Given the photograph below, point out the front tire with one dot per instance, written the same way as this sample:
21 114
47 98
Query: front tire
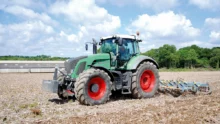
145 81
93 87
61 91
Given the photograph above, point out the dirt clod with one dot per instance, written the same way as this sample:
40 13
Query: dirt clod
36 111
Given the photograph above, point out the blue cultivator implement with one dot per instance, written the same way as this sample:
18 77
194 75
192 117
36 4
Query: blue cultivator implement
177 88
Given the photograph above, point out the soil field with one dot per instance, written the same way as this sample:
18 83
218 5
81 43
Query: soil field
23 101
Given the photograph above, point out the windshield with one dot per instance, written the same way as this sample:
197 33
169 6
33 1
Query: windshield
126 50
136 48
108 45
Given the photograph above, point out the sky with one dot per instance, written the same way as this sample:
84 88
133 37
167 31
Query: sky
61 27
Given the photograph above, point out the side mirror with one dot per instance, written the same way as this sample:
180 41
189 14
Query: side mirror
86 47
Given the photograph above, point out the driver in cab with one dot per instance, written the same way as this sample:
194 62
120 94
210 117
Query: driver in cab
123 50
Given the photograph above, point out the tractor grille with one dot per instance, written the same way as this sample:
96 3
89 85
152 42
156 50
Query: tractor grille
81 68
71 63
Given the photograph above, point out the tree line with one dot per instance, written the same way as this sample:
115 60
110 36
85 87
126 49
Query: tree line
33 58
167 56
193 56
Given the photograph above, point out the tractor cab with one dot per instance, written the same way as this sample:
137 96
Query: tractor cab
121 48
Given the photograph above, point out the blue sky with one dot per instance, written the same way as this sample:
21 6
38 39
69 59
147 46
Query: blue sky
61 28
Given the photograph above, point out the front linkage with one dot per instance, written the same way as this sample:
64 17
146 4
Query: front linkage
62 84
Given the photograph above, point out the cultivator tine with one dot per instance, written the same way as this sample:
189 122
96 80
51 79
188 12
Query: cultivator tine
179 87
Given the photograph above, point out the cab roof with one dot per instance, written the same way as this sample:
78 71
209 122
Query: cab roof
119 35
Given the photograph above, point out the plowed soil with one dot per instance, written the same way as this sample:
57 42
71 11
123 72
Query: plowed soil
23 101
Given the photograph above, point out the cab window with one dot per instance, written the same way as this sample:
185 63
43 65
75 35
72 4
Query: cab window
126 50
108 45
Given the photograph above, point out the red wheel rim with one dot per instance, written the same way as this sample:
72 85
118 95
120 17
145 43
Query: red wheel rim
100 83
147 81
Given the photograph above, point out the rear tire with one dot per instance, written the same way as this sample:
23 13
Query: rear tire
145 81
93 87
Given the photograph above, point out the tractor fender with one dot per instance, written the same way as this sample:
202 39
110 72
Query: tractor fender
135 62
105 70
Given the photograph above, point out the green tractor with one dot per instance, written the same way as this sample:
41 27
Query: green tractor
118 66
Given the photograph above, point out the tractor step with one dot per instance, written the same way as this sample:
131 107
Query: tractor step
126 90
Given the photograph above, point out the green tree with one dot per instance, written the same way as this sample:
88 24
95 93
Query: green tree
153 53
174 57
165 58
215 59
192 56
206 53
183 57
197 49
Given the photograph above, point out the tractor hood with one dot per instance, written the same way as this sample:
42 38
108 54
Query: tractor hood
100 60
70 64
99 56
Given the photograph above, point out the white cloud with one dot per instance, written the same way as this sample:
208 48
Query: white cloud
212 23
165 25
215 37
64 26
26 31
105 27
90 20
151 44
33 4
101 1
36 26
36 38
189 43
145 46
26 13
157 5
69 37
206 4
204 44
17 39
37 33
163 28
84 12
16 2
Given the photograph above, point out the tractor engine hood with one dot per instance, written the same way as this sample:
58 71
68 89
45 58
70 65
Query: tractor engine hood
99 56
71 63
101 60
